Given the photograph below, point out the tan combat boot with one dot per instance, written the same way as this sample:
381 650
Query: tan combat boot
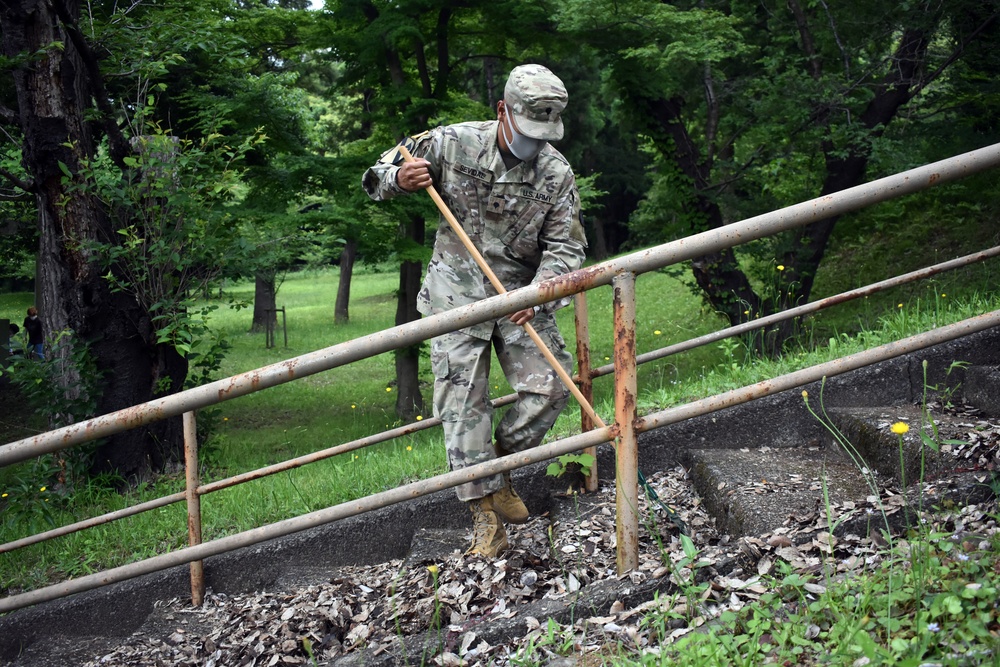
488 536
508 504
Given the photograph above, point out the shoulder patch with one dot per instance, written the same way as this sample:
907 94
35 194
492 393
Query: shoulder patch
394 156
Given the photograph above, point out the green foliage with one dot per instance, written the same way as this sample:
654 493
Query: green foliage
37 489
570 463
174 238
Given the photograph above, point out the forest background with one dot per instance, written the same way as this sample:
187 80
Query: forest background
154 153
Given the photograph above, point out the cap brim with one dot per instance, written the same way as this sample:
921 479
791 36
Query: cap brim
539 130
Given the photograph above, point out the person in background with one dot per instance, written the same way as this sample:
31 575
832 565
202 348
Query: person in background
516 197
36 338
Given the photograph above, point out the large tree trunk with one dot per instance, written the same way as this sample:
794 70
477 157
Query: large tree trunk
264 302
347 257
54 96
409 401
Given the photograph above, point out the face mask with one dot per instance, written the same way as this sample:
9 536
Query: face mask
523 148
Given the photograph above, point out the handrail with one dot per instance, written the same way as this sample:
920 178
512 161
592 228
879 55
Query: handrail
502 464
412 333
431 422
805 309
602 274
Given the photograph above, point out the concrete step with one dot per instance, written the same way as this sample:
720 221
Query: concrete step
982 389
754 491
910 459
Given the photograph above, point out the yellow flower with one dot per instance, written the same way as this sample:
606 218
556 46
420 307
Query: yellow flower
43 488
943 295
607 358
3 495
899 306
420 417
899 428
433 569
780 267
656 333
353 406
746 312
388 389
355 457
409 448
225 419
805 394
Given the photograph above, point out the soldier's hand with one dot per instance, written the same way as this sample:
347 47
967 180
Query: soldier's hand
413 176
522 317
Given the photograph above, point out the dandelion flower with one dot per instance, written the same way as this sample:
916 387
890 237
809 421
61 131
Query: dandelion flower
656 332
420 417
805 394
353 406
943 295
780 267
4 495
388 389
43 488
899 305
225 419
433 569
409 448
899 428
606 358
746 312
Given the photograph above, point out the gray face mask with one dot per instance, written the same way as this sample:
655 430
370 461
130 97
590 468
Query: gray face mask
523 148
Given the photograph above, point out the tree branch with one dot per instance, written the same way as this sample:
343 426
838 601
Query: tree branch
955 55
27 186
815 66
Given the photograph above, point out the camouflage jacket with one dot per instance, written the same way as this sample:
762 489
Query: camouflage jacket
525 221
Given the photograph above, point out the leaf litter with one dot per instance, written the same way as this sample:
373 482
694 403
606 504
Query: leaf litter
372 608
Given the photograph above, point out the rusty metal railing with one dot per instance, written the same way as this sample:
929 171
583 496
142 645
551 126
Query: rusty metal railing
628 424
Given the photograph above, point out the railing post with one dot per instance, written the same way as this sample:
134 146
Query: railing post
627 450
582 319
193 506
284 325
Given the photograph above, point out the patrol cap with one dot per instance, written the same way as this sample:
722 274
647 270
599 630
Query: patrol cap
536 97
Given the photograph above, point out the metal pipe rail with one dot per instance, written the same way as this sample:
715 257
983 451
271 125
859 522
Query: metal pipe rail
567 285
621 271
583 357
805 309
306 521
503 464
235 480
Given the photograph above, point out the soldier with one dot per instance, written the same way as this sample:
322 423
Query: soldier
516 198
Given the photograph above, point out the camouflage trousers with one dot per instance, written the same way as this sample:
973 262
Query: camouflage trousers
461 365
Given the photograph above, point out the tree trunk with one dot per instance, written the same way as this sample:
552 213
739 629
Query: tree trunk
347 257
264 302
409 401
54 95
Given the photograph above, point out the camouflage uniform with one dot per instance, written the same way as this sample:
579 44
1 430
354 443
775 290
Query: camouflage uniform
526 223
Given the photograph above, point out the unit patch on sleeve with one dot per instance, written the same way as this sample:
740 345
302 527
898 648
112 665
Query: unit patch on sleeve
394 155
